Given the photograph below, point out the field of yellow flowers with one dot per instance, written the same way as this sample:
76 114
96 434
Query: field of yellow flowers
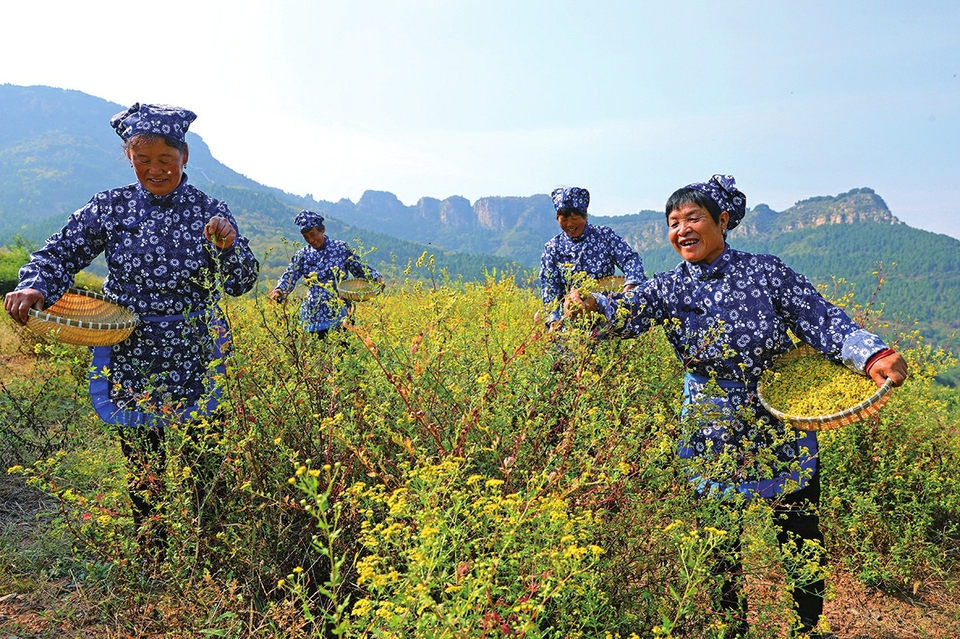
444 467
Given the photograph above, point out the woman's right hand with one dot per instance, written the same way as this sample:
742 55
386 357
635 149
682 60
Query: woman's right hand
277 295
18 303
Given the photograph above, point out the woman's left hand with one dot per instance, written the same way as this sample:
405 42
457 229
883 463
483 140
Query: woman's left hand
219 231
575 305
892 367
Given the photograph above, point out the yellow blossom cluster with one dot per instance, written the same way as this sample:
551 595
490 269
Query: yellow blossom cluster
810 385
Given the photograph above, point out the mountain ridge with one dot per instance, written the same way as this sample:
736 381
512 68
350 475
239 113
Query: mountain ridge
57 149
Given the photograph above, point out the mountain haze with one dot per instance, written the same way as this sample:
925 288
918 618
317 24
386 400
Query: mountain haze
57 149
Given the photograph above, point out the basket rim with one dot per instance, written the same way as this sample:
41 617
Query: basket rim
373 283
612 280
364 287
876 400
44 316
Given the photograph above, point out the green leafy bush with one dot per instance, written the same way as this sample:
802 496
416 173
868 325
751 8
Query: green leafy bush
471 473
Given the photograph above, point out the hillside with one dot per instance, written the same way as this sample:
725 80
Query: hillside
56 150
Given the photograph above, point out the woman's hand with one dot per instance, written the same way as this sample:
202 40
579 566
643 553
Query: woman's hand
220 232
18 304
574 305
277 295
892 367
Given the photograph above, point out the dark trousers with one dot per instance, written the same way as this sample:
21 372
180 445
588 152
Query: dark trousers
145 452
146 462
798 520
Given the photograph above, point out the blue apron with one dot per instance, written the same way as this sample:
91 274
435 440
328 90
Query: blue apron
110 413
806 445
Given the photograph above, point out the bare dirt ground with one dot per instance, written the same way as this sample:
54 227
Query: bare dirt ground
62 609
859 612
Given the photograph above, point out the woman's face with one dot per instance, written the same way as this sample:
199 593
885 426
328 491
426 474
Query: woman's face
314 237
572 223
159 167
694 234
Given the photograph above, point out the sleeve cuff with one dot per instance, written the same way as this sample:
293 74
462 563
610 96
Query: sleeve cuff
859 347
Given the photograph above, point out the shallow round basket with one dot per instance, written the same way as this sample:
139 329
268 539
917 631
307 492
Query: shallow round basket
358 290
868 407
84 318
611 284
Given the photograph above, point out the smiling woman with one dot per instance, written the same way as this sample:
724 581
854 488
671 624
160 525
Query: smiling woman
728 315
693 233
171 250
158 162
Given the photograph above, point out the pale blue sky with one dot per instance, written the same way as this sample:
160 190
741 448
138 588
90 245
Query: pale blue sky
629 99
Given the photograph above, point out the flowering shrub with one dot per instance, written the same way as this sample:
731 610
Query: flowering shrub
892 494
448 552
474 474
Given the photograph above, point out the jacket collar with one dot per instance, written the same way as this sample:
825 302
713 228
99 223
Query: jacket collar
703 271
164 200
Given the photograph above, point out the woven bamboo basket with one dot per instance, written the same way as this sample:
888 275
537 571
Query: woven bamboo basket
358 290
859 412
611 284
84 318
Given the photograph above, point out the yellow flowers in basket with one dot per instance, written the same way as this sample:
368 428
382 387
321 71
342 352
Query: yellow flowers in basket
805 389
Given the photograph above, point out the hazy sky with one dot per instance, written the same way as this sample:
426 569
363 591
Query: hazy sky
630 99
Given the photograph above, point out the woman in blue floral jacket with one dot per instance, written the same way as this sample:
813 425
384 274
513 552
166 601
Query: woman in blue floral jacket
324 262
727 315
582 249
170 251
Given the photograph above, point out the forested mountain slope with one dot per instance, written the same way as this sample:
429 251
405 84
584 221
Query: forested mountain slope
57 150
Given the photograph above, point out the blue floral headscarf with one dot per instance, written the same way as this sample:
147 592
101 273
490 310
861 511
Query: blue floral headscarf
160 119
722 189
572 198
308 220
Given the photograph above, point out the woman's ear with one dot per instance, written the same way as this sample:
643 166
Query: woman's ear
724 220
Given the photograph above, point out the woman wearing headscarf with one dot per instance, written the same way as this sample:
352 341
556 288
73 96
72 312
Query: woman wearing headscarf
325 262
170 251
582 249
727 314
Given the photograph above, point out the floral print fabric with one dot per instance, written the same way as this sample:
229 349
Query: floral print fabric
156 119
162 267
727 322
572 198
323 268
722 189
307 220
595 253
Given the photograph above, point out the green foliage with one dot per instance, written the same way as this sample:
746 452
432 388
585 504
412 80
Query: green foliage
11 259
892 497
40 396
445 466
446 553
